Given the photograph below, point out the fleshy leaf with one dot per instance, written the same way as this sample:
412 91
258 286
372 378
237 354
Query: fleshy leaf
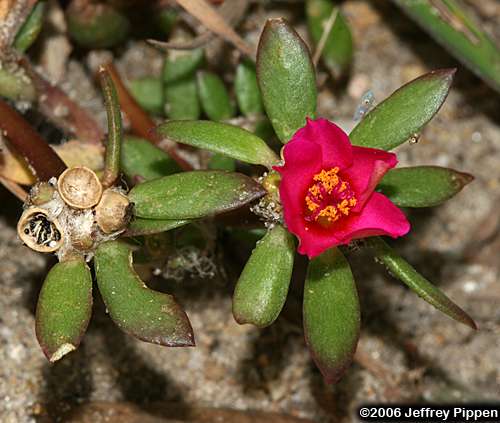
146 314
448 24
181 99
331 314
148 92
28 33
181 64
140 226
214 97
402 270
262 288
222 162
337 51
191 195
221 138
141 159
405 112
286 78
247 89
422 186
64 308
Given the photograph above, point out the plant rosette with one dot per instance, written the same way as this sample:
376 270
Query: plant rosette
328 190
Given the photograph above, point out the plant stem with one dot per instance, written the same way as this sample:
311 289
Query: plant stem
142 125
115 131
14 188
43 161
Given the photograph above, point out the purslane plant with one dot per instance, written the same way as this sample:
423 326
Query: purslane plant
80 217
328 190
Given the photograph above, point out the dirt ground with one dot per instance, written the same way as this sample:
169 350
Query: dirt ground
408 351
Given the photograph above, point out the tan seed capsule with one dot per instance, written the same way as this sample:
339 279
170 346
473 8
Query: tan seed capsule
39 232
113 211
79 187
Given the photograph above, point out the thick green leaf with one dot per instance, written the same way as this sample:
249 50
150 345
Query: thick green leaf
64 308
214 97
96 25
422 186
146 314
179 65
247 89
221 138
148 92
16 85
448 23
331 314
262 288
286 78
191 195
141 159
402 270
405 112
338 49
28 33
181 99
140 226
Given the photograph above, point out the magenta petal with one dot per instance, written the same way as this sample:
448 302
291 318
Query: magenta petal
336 149
302 161
368 168
378 217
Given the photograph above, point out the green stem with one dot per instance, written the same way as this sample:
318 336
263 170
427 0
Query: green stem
115 132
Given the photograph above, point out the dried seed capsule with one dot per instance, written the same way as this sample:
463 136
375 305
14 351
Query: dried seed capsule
39 232
113 211
79 187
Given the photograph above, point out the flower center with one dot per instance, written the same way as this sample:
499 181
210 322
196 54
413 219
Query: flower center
328 198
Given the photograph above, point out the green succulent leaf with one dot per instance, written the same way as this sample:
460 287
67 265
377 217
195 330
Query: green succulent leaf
405 112
148 92
262 288
96 25
402 270
331 314
140 226
422 186
286 78
221 138
448 24
141 159
146 314
28 33
16 86
338 49
181 99
180 65
214 97
191 195
247 89
64 308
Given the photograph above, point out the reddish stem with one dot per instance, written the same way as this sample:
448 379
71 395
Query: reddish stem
141 123
43 161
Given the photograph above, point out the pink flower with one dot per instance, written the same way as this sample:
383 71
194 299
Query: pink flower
327 189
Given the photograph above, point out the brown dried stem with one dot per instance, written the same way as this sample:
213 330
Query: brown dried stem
43 161
13 16
140 121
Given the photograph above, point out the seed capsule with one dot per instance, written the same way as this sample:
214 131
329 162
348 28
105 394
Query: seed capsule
113 211
38 232
79 187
